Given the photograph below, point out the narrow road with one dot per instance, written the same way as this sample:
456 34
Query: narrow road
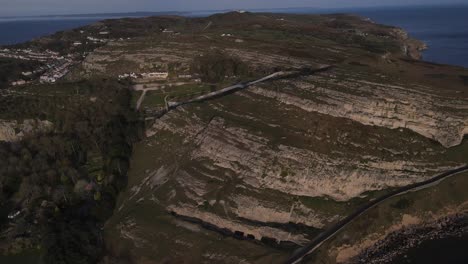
327 234
226 90
156 87
240 86
140 100
231 89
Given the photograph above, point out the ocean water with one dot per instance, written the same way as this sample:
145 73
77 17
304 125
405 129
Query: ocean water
449 250
17 31
443 28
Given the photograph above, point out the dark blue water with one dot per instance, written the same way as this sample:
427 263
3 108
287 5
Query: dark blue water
12 32
449 250
443 28
15 30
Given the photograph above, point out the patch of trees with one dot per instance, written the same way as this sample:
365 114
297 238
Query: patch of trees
215 66
21 107
47 176
11 69
464 79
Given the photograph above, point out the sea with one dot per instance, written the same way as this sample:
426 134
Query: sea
441 251
443 28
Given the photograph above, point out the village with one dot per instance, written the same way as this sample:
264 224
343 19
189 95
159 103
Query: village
52 67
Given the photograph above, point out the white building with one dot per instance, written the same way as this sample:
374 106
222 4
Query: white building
19 82
156 75
47 79
14 215
185 76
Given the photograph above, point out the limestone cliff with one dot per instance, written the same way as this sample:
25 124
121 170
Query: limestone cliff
280 161
14 130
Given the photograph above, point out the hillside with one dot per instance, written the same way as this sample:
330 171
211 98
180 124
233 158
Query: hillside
254 173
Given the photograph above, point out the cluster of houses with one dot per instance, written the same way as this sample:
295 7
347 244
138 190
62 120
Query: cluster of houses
56 72
228 35
148 75
128 75
30 55
157 76
97 40
92 40
54 65
170 31
19 82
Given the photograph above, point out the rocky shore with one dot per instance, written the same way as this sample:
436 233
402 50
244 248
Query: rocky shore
399 242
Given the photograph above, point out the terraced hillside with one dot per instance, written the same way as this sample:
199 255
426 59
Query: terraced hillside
255 173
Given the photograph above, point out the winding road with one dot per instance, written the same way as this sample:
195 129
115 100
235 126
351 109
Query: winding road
327 234
153 87
231 89
240 86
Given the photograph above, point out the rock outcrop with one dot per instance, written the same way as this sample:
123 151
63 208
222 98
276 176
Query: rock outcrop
281 161
444 119
14 130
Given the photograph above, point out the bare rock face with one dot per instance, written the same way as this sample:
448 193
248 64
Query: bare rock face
441 118
410 47
7 131
298 171
283 160
264 162
14 130
263 159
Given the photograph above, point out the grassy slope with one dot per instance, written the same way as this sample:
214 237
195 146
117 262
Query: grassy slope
449 196
268 35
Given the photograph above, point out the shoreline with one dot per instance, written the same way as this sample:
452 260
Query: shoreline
398 243
415 47
332 232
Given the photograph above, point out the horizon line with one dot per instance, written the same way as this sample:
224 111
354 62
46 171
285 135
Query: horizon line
214 11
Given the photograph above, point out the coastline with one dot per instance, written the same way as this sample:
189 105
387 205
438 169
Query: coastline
397 244
425 45
410 47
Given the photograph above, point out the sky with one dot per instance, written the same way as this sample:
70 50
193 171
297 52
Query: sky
54 7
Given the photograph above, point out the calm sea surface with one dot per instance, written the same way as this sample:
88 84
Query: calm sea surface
444 29
17 31
442 251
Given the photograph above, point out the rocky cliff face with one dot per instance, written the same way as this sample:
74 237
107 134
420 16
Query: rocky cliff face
410 47
280 161
442 118
300 153
14 130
